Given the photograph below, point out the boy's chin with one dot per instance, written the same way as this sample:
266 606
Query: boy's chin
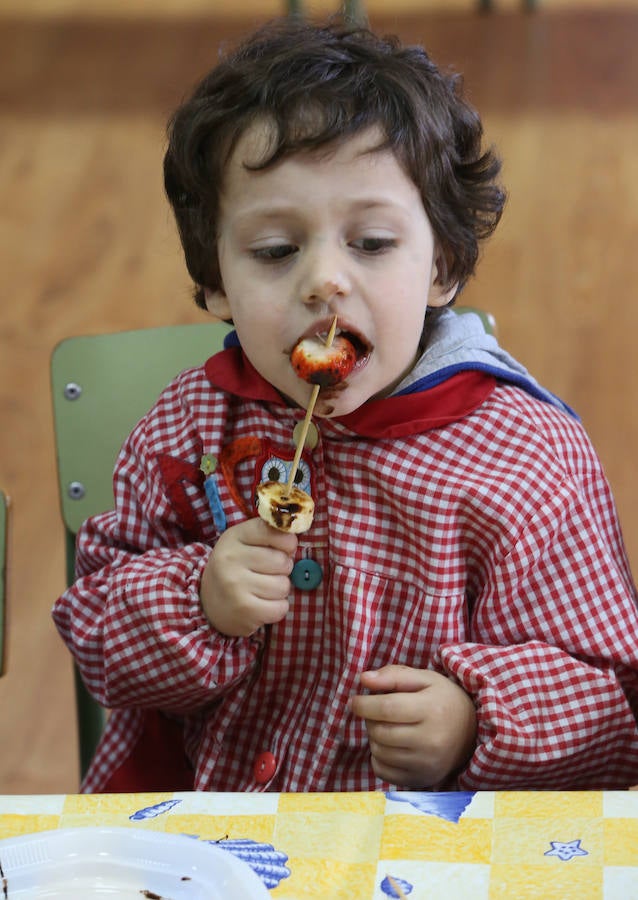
340 400
337 405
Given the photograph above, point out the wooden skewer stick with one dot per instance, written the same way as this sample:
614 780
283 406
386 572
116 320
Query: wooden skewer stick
306 421
396 887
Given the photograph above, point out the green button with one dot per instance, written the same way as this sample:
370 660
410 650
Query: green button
306 574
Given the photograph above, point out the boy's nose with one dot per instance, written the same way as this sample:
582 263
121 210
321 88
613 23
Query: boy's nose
326 291
325 281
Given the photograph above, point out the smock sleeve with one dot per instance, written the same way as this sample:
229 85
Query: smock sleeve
553 666
133 619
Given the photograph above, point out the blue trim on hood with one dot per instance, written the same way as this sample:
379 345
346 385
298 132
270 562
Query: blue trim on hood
231 340
503 375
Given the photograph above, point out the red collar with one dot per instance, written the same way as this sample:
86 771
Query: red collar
390 417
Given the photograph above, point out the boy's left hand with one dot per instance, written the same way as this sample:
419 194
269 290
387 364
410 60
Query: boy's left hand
421 725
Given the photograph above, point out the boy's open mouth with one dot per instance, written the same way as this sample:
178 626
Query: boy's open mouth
362 348
326 359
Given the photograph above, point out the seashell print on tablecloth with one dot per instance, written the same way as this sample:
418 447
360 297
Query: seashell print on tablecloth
391 891
449 806
263 859
151 812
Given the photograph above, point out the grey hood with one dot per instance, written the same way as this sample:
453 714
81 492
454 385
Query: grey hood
459 343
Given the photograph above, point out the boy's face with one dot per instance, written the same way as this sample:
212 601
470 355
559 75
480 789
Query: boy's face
341 232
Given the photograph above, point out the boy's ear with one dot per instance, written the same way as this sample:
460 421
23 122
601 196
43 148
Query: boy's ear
442 294
217 303
441 290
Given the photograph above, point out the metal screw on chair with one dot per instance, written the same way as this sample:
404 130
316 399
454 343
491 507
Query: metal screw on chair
72 390
76 490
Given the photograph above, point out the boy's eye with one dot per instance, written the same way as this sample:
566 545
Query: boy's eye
373 244
274 253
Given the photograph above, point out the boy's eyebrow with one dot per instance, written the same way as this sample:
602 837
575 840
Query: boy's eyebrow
275 210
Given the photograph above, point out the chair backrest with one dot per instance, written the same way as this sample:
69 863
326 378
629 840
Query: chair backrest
352 10
101 386
4 515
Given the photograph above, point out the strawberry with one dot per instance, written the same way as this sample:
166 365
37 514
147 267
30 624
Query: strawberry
324 365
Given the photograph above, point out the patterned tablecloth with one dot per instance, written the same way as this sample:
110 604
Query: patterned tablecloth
480 846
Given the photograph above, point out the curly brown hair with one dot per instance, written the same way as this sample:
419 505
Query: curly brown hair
317 85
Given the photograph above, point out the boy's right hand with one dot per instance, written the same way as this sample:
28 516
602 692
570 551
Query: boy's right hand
246 583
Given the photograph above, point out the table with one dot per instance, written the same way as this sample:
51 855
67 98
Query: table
481 846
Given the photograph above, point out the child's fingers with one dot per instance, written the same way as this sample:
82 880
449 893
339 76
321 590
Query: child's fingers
268 587
255 532
390 679
268 561
392 708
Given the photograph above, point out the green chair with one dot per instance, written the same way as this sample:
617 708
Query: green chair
101 386
4 515
352 10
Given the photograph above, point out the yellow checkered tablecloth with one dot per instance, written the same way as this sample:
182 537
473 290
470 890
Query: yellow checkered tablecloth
480 846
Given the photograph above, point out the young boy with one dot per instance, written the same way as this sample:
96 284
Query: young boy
461 613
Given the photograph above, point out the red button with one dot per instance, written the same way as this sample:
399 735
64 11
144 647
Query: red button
265 767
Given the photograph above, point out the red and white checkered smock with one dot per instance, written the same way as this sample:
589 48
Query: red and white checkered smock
478 538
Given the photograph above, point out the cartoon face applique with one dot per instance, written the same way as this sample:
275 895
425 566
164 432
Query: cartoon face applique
277 469
221 487
247 462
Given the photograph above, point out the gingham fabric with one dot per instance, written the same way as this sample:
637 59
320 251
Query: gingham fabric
488 549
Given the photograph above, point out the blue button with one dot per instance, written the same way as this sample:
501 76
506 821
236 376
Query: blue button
306 574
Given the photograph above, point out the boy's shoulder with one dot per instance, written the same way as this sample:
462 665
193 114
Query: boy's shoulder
527 410
183 409
192 407
188 393
519 423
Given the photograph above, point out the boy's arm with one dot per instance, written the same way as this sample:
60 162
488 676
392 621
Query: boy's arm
133 619
139 635
553 668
